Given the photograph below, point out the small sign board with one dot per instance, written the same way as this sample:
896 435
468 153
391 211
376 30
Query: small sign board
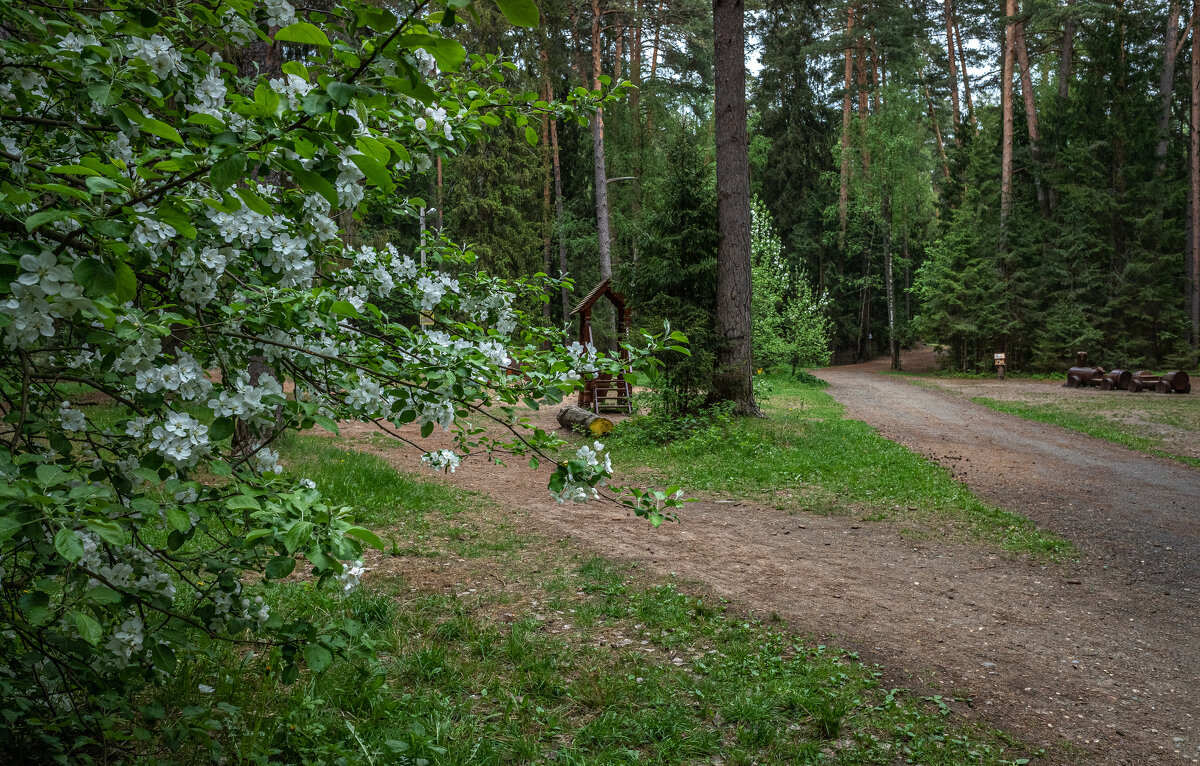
999 358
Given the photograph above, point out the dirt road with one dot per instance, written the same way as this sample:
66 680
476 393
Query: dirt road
1099 662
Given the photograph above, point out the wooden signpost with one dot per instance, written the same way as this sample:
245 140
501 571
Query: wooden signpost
999 366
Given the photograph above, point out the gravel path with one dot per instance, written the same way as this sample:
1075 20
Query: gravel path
1097 661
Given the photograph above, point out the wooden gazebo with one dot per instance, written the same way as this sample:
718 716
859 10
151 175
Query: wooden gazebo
602 392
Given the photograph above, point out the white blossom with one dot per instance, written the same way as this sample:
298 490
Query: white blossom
441 460
158 53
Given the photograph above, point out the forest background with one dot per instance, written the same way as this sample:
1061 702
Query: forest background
986 177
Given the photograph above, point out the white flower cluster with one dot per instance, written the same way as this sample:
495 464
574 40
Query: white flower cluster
181 439
317 209
127 640
439 411
581 489
368 398
71 419
248 610
266 460
441 460
151 234
186 377
351 576
139 354
350 192
292 87
76 43
433 289
42 292
288 255
496 303
437 116
158 53
198 275
495 352
246 226
280 13
584 357
246 401
211 92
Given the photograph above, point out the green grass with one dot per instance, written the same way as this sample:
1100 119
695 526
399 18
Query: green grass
1084 416
529 652
806 455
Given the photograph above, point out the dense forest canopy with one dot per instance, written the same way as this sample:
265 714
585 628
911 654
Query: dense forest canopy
1009 178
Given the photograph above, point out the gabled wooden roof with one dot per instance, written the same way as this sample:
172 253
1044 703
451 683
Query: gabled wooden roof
604 288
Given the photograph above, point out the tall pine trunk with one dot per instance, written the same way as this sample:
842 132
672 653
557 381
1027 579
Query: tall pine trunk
732 378
1068 51
601 171
1194 189
1166 86
949 10
1031 120
966 76
844 190
1006 109
547 222
893 338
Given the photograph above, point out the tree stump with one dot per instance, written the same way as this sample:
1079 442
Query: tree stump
571 416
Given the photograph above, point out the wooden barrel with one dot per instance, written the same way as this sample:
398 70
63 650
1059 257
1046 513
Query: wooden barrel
1143 380
1088 376
1122 379
1179 381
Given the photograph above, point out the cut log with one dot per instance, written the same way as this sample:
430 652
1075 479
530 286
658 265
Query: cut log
572 416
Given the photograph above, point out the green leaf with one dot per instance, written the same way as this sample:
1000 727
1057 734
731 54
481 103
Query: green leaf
95 277
110 531
328 423
374 149
228 171
254 202
178 518
221 429
304 33
531 136
45 216
521 13
426 430
340 92
8 527
280 567
68 545
317 657
160 129
243 503
102 594
126 288
376 174
88 628
367 536
344 309
297 535
314 182
164 657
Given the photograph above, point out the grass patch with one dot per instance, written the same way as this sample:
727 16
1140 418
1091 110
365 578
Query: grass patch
549 655
1177 412
806 455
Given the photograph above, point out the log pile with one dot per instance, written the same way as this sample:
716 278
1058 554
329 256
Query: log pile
572 417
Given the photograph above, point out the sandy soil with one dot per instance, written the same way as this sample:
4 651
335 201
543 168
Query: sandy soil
1097 661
